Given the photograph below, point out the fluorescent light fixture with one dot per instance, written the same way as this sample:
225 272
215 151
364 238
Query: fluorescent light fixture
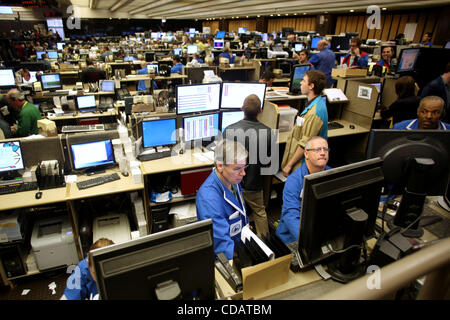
6 10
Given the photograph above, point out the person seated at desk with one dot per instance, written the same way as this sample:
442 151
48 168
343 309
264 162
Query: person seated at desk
46 61
356 58
302 58
106 53
220 197
23 74
405 107
426 39
268 77
428 115
324 60
440 87
387 58
226 53
91 73
313 121
316 159
82 283
28 116
142 71
197 58
177 65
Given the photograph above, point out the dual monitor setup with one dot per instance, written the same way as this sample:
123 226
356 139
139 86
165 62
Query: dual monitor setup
205 110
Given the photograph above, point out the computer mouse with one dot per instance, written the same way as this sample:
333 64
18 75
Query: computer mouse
181 151
352 126
38 195
125 174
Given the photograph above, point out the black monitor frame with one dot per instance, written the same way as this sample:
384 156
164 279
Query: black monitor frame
54 88
90 109
93 168
12 172
227 111
197 84
154 120
203 114
6 87
400 60
293 91
182 257
241 83
338 40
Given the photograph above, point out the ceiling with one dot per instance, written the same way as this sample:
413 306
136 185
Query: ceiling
217 9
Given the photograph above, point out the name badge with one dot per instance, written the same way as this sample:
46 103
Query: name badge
234 215
235 228
4 110
300 121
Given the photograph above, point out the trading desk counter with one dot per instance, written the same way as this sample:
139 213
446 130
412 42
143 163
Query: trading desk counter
27 198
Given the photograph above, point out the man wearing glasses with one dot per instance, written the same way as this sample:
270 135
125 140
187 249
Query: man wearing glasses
220 197
316 159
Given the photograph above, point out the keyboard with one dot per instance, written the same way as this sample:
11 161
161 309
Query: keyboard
98 181
154 155
334 125
56 93
18 187
83 128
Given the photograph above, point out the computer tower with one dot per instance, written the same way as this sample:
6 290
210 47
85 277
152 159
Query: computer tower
14 257
160 219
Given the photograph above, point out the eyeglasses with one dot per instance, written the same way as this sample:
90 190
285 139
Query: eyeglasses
325 149
239 169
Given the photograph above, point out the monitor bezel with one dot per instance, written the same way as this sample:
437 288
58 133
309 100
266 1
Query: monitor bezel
200 115
48 54
12 86
292 76
174 119
229 111
312 48
101 85
198 84
2 172
191 46
400 57
37 55
99 166
243 83
54 88
87 109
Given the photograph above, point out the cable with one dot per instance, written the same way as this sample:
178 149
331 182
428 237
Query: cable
344 250
410 225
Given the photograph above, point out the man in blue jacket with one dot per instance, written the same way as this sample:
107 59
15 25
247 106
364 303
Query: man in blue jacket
316 159
324 60
429 112
440 87
177 65
221 199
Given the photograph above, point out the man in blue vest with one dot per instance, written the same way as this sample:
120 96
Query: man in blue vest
356 58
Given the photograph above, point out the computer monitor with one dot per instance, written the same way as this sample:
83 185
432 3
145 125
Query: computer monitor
230 117
179 261
92 156
177 51
340 43
192 49
33 77
11 158
39 54
338 212
299 47
220 35
378 85
314 42
201 127
242 30
106 85
218 43
407 60
154 67
52 54
149 56
159 132
191 30
51 81
7 79
60 45
129 58
447 45
234 93
198 97
297 74
264 37
416 164
86 103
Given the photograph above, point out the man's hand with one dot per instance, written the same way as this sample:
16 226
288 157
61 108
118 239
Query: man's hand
13 129
357 52
287 171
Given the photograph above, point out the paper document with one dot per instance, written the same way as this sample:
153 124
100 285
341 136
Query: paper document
248 234
335 94
279 176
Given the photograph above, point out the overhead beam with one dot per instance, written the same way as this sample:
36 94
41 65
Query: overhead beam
118 4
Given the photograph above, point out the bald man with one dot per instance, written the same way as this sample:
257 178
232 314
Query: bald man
324 60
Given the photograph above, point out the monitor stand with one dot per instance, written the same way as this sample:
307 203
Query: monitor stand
92 171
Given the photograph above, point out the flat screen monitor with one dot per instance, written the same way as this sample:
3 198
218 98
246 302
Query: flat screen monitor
149 56
154 67
60 45
299 47
242 30
192 49
106 85
51 81
52 54
179 261
297 74
155 35
340 43
201 127
39 54
129 58
86 103
378 85
92 155
447 45
220 35
314 42
416 162
218 43
33 77
191 30
7 79
177 51
230 117
11 156
161 132
234 93
264 37
198 98
407 59
338 212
